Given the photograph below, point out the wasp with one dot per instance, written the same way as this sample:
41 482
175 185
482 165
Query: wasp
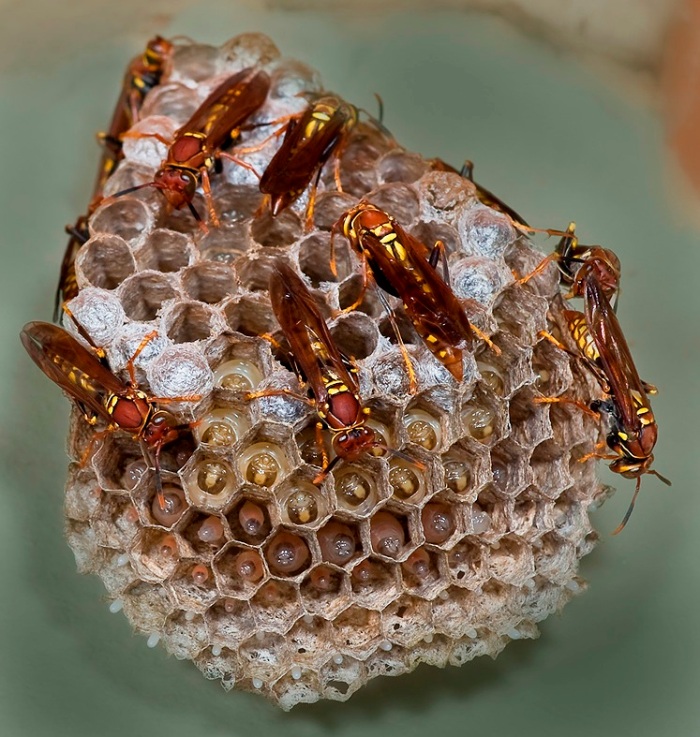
404 267
632 429
331 376
199 144
310 139
142 75
99 394
576 262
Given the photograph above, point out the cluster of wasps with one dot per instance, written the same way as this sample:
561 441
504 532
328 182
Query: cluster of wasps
393 262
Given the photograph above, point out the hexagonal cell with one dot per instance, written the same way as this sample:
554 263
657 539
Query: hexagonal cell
205 533
387 660
125 217
250 315
530 514
355 335
468 563
315 258
298 686
398 200
209 480
341 676
521 314
156 554
467 467
222 427
323 591
422 572
357 631
569 517
287 554
185 636
351 289
434 650
507 372
339 542
115 521
553 369
106 261
114 463
276 606
407 621
389 535
485 232
143 295
264 462
511 562
407 481
229 622
510 468
355 490
278 231
555 558
357 172
425 426
249 520
188 322
550 469
375 583
484 417
264 655
193 586
173 507
488 516
303 503
432 231
310 450
147 606
308 638
83 495
165 251
330 207
241 371
529 420
230 241
453 613
440 521
209 282
240 571
401 166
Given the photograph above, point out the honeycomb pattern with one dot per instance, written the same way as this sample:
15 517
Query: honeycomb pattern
267 581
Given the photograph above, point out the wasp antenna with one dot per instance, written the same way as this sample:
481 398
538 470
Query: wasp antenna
663 478
321 476
128 190
628 513
403 456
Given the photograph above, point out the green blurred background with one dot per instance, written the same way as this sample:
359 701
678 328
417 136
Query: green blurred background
556 141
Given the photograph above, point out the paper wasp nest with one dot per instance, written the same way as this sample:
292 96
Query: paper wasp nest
433 565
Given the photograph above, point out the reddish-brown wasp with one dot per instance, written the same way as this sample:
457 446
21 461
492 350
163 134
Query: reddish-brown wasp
596 260
405 268
319 364
200 143
99 394
309 141
142 75
632 429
